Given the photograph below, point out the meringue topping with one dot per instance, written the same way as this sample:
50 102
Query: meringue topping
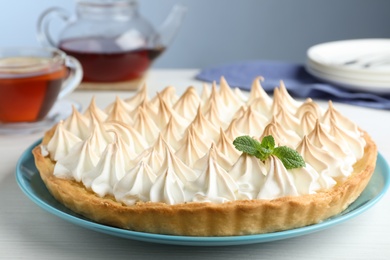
226 147
249 173
135 185
214 184
193 147
82 158
167 188
188 104
140 97
204 127
227 95
309 106
168 94
252 122
135 141
109 170
94 112
257 92
146 126
278 181
119 112
77 124
172 149
61 142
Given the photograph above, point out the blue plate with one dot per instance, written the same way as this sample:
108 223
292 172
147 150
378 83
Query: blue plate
31 184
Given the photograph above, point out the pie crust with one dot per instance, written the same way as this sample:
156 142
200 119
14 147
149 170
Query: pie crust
241 217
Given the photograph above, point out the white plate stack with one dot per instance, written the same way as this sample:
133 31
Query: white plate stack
362 64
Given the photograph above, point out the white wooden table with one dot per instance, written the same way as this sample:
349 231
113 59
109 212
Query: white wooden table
28 232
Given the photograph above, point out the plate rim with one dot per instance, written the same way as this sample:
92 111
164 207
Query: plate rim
346 84
195 240
383 79
310 50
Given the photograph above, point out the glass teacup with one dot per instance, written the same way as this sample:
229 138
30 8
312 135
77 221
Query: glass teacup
32 80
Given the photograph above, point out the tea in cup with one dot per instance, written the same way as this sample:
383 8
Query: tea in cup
31 81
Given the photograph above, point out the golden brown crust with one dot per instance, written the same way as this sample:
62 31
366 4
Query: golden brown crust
210 219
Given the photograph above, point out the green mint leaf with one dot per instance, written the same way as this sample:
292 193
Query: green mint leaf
290 158
267 145
248 145
268 142
253 147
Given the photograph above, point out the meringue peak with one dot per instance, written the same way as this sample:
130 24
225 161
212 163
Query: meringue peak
94 112
258 92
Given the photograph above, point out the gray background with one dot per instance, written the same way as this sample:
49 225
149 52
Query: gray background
222 31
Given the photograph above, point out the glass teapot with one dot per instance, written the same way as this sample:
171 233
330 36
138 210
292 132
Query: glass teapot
112 41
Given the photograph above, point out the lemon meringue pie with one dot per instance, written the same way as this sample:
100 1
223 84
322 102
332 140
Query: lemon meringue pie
168 165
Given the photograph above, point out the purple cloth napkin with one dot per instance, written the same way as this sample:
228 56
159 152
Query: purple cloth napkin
298 82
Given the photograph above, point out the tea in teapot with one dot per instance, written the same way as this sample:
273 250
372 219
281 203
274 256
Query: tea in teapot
114 63
112 41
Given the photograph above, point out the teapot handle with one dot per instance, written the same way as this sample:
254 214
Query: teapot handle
43 25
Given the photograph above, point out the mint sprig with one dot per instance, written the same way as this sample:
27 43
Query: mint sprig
290 158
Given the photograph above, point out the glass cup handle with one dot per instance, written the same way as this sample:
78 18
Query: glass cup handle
43 25
74 78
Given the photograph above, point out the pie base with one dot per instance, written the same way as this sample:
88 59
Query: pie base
241 217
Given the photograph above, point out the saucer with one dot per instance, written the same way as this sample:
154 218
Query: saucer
61 110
